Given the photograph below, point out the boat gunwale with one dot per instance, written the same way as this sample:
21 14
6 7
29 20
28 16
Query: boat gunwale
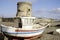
23 29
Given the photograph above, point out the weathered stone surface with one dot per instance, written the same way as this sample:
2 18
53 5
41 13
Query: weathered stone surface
24 9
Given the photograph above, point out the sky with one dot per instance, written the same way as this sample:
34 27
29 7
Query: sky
40 8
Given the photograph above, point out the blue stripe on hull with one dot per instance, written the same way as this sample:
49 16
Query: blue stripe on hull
24 32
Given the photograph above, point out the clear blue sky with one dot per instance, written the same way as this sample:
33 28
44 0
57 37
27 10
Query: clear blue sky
40 8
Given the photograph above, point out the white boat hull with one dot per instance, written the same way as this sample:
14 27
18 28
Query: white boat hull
58 30
22 33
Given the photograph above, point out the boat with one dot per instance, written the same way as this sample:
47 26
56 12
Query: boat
58 30
29 28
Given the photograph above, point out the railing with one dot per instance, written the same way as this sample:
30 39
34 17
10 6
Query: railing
27 21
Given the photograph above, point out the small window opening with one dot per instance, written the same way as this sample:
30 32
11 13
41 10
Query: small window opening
20 23
28 9
18 10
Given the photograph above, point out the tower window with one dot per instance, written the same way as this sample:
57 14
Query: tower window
18 4
28 9
18 10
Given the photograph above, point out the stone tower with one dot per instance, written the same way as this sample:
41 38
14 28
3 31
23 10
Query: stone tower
24 9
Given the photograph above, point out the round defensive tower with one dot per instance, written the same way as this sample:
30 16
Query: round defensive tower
24 9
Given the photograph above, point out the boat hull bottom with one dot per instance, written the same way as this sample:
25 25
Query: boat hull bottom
21 38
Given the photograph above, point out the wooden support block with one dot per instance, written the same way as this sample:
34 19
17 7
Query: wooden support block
5 38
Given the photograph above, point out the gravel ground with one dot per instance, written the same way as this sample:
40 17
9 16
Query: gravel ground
50 34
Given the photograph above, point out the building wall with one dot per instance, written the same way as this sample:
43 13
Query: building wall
0 19
10 22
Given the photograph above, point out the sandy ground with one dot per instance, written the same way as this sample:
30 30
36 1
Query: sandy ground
49 34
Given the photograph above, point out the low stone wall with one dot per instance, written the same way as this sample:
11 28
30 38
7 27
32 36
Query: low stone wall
14 24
